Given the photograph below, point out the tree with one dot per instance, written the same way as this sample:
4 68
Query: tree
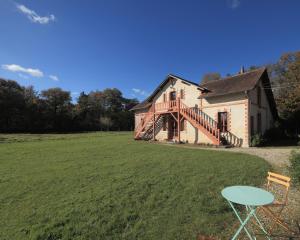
32 115
12 106
105 123
112 99
58 105
210 76
286 74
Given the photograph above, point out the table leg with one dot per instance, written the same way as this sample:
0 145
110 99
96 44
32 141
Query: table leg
259 223
243 223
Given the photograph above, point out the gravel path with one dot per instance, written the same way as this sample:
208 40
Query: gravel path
277 157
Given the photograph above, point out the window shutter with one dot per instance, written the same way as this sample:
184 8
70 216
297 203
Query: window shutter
182 93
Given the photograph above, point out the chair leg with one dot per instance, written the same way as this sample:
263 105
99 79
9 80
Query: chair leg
277 221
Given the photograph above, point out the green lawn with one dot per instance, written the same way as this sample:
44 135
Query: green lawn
107 186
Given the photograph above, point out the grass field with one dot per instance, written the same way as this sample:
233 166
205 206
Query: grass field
107 186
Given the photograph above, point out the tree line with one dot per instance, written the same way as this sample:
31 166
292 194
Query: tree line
285 80
22 109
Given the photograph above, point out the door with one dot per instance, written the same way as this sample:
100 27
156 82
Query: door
172 130
222 121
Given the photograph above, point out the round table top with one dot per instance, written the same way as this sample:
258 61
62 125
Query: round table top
247 195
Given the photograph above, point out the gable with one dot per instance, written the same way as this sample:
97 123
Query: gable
168 80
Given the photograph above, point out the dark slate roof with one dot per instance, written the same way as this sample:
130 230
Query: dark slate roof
238 83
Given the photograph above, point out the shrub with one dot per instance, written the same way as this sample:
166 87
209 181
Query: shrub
275 133
257 140
295 166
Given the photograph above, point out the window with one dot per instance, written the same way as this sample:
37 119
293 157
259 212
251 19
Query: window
182 94
259 96
259 123
183 125
252 125
164 124
222 121
165 97
172 96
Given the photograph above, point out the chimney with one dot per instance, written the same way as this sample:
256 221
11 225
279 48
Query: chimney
242 70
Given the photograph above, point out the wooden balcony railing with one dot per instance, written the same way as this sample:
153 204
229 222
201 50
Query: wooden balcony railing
166 106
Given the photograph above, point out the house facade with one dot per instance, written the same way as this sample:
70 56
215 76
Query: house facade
226 111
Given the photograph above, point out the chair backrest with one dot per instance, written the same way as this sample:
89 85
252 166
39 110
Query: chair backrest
284 181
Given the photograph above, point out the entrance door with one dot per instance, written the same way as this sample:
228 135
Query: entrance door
173 128
222 121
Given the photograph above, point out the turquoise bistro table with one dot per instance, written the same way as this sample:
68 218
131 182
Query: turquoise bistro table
251 198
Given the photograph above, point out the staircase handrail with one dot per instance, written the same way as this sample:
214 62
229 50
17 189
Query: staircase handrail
202 119
145 120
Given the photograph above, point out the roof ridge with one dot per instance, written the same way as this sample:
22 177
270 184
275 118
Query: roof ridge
183 79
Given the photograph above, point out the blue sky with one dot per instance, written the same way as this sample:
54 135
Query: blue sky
132 45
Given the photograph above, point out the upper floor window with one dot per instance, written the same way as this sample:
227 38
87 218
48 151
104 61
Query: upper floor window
172 95
164 97
258 96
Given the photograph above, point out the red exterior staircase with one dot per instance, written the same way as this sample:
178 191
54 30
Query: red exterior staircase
195 116
201 121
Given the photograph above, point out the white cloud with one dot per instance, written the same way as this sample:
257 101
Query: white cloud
20 69
234 4
54 78
34 17
140 92
74 93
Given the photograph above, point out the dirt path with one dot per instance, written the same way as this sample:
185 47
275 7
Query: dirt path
277 157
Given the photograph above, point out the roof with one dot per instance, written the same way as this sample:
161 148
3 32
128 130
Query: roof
147 102
233 84
238 83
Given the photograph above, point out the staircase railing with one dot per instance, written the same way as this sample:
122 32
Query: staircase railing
198 117
144 121
148 134
231 139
